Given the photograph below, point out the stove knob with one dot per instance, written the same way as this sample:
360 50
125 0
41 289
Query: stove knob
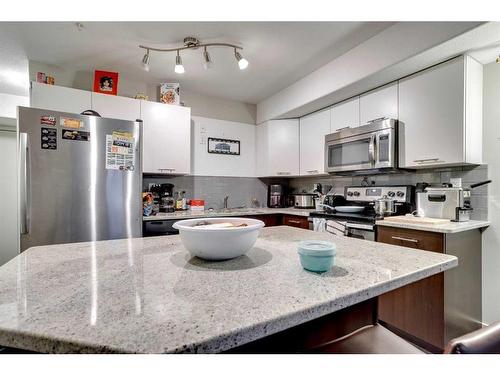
349 193
400 194
390 194
356 193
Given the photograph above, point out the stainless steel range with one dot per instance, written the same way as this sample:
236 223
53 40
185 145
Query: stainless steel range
354 214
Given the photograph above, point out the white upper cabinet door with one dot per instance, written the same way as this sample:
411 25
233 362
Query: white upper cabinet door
58 98
381 102
118 107
431 113
262 150
283 147
313 129
345 114
167 138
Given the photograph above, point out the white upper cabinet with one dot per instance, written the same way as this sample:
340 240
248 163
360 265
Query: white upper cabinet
313 129
345 114
278 154
59 98
381 102
166 138
118 107
440 115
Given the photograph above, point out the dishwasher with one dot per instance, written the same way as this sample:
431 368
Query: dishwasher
153 228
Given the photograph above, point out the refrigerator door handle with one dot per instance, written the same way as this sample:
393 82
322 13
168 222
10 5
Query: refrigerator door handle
24 183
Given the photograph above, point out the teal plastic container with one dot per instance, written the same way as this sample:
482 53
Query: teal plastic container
317 256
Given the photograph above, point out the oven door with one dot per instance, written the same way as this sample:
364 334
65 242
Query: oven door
350 154
361 231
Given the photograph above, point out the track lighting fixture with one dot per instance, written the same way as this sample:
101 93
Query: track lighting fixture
145 61
193 43
179 68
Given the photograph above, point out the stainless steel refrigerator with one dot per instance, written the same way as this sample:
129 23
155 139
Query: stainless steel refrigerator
80 177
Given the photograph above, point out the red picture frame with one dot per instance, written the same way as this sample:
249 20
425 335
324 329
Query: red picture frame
106 82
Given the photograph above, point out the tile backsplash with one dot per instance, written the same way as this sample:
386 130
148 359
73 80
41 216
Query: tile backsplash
469 175
241 190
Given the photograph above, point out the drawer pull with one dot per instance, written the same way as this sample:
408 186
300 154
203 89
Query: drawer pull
428 161
404 239
294 221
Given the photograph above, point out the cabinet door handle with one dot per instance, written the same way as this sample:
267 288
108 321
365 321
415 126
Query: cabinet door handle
167 169
314 171
283 173
412 240
432 160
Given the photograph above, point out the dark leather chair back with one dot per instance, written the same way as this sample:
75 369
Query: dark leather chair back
483 341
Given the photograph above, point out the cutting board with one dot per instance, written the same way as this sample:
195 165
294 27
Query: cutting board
416 220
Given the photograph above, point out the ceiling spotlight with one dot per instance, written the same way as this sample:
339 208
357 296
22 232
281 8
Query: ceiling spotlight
498 59
207 61
179 68
242 62
145 62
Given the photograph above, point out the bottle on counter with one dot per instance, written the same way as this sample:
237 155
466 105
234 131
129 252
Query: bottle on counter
184 200
178 202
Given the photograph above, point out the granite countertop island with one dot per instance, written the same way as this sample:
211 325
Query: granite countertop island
147 295
180 215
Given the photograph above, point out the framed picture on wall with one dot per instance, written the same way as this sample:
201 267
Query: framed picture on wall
223 146
106 82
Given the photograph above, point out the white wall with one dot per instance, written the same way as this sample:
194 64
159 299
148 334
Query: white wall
205 164
8 196
491 156
201 105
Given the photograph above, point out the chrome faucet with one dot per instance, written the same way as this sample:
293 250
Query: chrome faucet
225 201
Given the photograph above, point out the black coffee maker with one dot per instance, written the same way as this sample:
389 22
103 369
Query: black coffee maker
166 193
276 196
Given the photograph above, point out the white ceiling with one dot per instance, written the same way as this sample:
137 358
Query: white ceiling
487 54
279 53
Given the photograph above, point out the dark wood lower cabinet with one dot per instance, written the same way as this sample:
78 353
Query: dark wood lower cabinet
437 309
272 220
415 311
296 221
311 336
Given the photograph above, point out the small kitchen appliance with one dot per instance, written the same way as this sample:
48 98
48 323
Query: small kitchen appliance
367 149
276 196
166 197
446 202
303 200
361 224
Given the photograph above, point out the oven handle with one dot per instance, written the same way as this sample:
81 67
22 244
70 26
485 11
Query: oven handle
360 226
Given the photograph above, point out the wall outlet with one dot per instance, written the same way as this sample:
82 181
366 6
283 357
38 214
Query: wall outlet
456 182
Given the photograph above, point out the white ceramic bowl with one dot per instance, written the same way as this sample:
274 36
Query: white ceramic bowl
218 243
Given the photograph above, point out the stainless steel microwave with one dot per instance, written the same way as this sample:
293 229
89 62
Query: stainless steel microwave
370 148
